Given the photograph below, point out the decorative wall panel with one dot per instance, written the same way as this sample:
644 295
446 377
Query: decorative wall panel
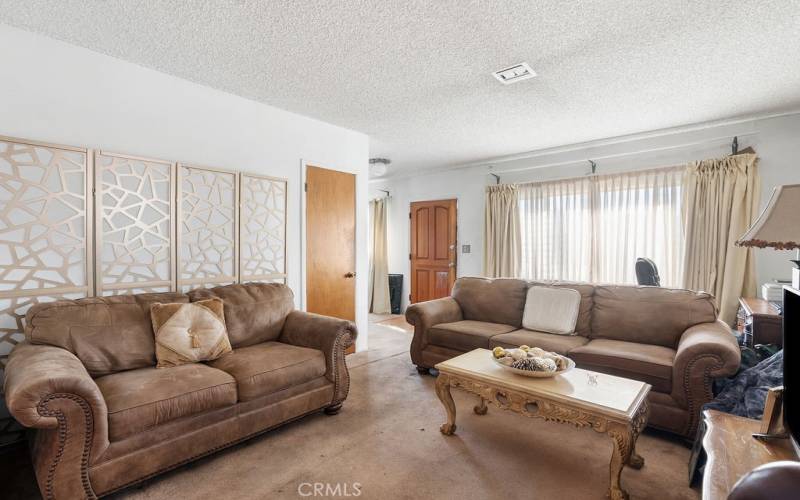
208 221
45 217
135 240
262 249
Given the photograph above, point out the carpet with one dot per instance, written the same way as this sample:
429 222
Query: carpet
385 444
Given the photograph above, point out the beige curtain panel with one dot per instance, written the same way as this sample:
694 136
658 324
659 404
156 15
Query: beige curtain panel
378 259
501 243
720 202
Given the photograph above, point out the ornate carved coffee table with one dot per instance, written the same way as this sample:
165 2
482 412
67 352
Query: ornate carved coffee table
612 405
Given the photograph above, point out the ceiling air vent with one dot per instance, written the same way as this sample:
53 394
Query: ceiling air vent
514 74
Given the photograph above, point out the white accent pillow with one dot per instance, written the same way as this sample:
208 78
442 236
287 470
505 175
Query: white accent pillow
551 310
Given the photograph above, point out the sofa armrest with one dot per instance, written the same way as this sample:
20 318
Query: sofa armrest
705 351
35 374
424 315
329 335
49 389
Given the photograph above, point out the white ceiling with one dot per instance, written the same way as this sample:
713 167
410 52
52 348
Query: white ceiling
416 75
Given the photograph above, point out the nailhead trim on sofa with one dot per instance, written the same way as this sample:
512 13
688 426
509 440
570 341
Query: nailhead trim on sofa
342 342
62 441
691 427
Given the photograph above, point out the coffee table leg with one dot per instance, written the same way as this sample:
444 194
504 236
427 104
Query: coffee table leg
623 438
481 408
635 460
443 391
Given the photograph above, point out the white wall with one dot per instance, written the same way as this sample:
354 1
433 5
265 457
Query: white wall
56 92
775 139
467 186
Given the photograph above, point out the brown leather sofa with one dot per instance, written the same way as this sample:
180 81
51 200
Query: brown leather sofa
669 338
106 417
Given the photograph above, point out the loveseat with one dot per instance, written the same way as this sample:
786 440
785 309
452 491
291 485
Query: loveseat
668 338
106 417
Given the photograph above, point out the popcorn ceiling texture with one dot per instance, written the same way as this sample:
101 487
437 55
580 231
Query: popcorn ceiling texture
416 75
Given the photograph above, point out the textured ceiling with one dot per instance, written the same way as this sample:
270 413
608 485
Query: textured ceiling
415 75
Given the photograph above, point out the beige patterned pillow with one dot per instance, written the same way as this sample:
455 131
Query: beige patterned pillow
188 333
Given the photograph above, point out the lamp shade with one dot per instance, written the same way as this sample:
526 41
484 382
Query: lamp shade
778 226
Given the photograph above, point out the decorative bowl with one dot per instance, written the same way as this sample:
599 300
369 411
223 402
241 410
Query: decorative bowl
535 374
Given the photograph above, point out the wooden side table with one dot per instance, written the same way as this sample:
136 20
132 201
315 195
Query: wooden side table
732 452
761 323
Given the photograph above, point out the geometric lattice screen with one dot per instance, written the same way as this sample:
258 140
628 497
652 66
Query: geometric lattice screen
156 226
45 217
135 240
208 215
263 228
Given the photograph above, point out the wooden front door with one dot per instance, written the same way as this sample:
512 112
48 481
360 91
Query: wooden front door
433 249
330 243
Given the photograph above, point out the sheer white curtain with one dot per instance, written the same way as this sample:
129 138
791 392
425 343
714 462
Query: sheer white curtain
594 228
556 229
638 214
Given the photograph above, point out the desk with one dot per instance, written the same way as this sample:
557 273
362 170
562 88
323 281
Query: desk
759 321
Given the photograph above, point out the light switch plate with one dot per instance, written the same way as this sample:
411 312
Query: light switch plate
466 248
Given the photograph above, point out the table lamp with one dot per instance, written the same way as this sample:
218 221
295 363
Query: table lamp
778 226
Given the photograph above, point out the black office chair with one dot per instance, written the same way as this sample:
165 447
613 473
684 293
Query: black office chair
647 272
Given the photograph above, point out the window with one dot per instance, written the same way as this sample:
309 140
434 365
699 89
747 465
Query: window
594 228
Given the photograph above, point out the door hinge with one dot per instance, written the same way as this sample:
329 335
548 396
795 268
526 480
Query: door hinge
409 297
409 256
305 187
409 215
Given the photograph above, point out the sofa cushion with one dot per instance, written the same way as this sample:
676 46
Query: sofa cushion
108 334
270 367
551 309
254 312
648 314
584 324
188 333
562 344
141 399
649 363
466 335
491 300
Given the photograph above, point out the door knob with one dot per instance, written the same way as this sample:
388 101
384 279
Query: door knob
451 264
350 275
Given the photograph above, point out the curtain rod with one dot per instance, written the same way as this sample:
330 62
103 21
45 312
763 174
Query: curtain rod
726 138
663 168
388 195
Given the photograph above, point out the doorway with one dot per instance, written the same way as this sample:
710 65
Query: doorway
330 243
433 249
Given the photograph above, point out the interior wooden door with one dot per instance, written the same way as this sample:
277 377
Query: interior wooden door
330 243
433 249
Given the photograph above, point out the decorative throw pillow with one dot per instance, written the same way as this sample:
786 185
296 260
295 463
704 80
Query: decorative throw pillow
551 310
188 333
